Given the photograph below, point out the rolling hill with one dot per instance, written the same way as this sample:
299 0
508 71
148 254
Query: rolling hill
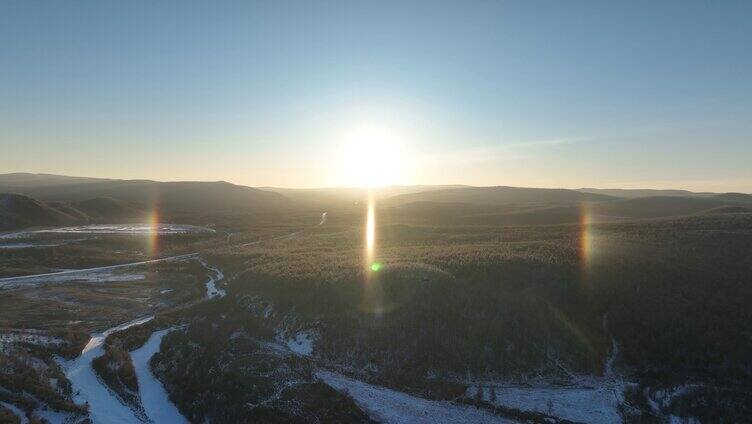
500 195
108 208
346 196
170 197
734 197
28 180
636 193
17 211
656 207
508 206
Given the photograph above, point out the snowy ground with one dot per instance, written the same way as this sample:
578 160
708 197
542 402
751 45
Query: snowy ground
596 404
55 417
17 411
79 274
128 229
301 344
41 238
29 241
104 406
28 245
390 406
154 398
30 337
93 276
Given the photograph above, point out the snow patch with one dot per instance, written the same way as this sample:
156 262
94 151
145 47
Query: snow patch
86 277
390 406
54 417
78 274
301 344
129 229
17 411
582 404
30 337
215 275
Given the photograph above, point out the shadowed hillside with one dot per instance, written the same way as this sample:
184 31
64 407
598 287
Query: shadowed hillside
108 208
21 211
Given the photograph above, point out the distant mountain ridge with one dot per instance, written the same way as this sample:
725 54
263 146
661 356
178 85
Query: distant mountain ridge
629 193
26 179
500 195
333 196
173 197
45 199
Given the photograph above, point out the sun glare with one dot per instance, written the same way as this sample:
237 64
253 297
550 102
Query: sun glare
373 156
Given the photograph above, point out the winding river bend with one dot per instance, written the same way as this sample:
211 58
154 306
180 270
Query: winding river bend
104 406
89 390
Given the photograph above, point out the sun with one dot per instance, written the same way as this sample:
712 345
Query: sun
373 156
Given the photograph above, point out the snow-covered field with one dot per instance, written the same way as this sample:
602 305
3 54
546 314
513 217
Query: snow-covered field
88 389
51 237
86 276
13 235
596 404
128 229
30 242
154 398
79 274
393 407
27 245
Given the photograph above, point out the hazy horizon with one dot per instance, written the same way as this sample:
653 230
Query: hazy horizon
381 186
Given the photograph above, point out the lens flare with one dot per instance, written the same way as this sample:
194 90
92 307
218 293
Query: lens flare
372 296
370 230
154 221
153 237
586 237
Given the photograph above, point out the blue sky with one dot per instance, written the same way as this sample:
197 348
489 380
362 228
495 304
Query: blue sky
550 94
